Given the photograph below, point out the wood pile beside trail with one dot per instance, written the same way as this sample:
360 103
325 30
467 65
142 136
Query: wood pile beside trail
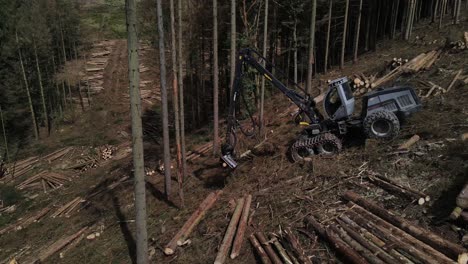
362 84
69 208
20 168
278 249
44 180
199 151
368 233
423 61
25 222
95 66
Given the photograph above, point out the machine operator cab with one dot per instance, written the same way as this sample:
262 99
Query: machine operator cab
339 101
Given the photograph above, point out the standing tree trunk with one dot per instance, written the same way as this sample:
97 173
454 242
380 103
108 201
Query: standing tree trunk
63 43
181 89
4 135
215 77
345 28
295 50
79 80
137 135
165 114
358 31
457 7
310 64
28 94
265 39
41 88
327 45
395 18
88 92
233 45
57 89
434 14
175 102
443 6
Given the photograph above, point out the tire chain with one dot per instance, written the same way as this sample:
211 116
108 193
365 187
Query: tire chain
313 142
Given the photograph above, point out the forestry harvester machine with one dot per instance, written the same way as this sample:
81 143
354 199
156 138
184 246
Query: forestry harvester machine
383 110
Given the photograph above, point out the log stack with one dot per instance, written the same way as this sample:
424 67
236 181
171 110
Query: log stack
368 233
397 62
421 62
25 222
69 208
362 84
45 180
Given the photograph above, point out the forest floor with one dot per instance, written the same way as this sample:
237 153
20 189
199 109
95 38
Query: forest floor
435 165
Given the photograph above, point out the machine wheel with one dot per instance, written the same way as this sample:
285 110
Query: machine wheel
381 125
325 144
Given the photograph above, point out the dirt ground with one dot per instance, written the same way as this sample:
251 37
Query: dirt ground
436 165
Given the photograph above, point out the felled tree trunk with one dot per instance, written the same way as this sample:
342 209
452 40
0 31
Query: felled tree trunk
448 248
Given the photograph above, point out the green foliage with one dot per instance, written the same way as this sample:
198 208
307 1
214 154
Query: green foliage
23 26
107 19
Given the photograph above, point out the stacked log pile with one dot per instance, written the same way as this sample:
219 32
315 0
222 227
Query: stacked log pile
57 154
45 180
279 249
199 151
96 65
20 168
23 223
397 62
368 233
421 62
362 84
69 208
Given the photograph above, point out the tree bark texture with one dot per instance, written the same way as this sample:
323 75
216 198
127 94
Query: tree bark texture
137 134
165 114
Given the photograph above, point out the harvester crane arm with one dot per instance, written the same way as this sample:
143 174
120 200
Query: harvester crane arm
251 58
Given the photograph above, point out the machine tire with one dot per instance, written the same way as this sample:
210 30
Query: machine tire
381 125
332 142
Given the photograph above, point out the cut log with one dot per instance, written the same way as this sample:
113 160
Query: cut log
237 244
403 236
366 253
396 189
96 69
375 250
258 248
194 219
58 245
296 247
100 54
229 235
462 198
410 142
268 249
464 136
448 248
347 252
281 251
370 241
453 81
432 61
410 251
